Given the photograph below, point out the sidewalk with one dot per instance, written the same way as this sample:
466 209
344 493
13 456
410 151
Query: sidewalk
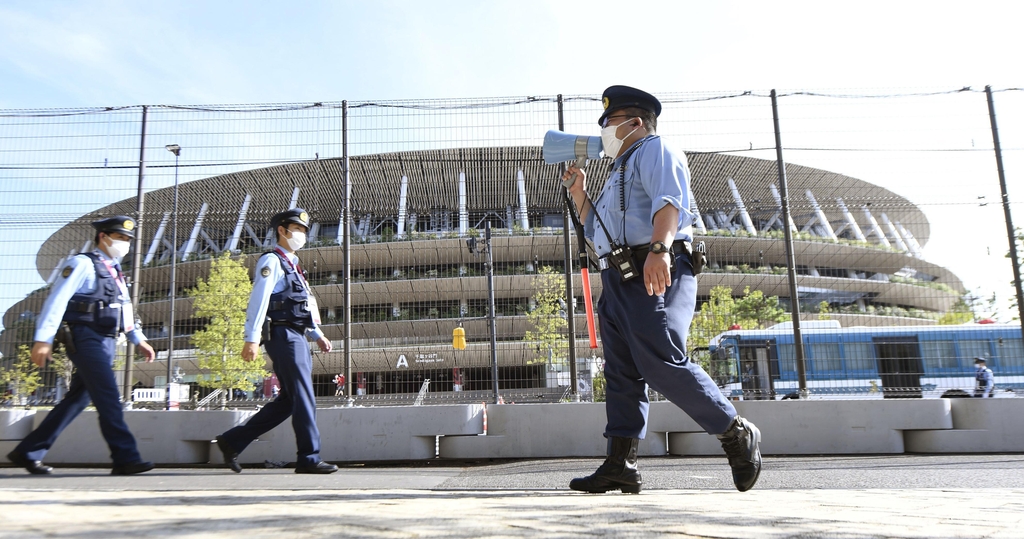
528 499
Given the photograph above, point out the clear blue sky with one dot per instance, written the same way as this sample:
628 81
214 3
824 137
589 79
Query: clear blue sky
100 53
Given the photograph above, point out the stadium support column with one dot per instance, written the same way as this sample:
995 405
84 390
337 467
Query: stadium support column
463 211
851 223
794 297
403 194
524 219
820 214
740 207
126 395
895 234
877 230
1010 231
237 233
294 202
190 247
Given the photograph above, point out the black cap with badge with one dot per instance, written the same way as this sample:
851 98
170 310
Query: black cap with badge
118 223
620 97
294 215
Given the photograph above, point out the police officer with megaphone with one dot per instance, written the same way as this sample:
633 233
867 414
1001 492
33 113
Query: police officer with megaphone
641 227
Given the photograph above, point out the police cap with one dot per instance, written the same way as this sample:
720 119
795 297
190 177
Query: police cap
620 97
295 215
118 223
979 360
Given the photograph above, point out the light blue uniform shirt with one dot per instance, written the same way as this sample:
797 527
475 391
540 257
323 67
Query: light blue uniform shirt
655 177
81 279
262 289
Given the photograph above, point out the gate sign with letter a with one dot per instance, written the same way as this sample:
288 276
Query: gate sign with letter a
402 362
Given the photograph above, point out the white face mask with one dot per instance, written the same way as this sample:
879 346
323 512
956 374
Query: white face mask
612 144
296 241
118 248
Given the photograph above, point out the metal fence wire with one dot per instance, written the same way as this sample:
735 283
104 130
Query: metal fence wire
899 241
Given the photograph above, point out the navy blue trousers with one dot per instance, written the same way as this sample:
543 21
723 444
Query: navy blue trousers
645 344
93 379
293 364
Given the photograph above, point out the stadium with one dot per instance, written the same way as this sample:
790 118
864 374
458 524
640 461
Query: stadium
413 280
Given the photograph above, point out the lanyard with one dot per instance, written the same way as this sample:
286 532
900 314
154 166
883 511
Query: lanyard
128 318
296 268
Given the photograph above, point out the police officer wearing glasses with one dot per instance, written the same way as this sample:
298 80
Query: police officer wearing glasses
89 306
642 230
281 312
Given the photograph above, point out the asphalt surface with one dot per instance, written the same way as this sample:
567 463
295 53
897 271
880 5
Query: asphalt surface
796 497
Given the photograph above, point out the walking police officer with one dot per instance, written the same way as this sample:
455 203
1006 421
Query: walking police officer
641 226
90 305
984 381
281 312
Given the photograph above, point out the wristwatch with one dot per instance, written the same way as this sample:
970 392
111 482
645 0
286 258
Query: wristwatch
659 247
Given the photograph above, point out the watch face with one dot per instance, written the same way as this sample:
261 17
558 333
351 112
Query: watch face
659 247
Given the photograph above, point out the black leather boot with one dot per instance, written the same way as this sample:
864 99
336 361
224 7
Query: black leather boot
619 471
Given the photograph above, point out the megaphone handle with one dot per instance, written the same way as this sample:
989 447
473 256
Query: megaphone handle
572 179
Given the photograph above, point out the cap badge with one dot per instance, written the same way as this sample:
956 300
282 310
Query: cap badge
128 225
304 217
606 103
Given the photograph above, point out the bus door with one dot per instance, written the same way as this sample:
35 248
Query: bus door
724 365
755 370
899 366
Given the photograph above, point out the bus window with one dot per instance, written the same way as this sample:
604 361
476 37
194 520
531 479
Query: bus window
825 357
860 356
970 349
938 355
1011 354
787 360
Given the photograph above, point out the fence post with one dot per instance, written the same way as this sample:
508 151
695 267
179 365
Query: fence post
570 307
794 297
346 252
140 198
1006 208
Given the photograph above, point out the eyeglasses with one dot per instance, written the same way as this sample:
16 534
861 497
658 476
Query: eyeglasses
604 123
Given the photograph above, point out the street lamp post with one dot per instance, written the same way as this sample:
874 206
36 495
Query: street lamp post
176 150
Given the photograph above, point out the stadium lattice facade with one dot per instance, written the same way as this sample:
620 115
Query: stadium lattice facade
413 280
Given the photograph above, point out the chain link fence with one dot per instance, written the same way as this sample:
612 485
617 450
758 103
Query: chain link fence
896 215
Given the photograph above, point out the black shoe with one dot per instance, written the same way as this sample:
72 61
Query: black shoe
34 467
320 467
742 445
132 468
230 456
619 471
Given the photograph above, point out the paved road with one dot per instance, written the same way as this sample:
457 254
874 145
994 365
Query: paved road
834 497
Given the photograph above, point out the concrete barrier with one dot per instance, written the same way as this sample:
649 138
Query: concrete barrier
826 427
979 426
397 433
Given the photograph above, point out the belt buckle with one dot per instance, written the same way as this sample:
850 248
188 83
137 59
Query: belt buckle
602 264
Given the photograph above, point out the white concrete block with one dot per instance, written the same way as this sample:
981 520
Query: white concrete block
372 434
809 427
180 437
979 426
16 424
541 431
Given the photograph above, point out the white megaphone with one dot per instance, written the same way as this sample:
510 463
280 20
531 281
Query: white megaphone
559 146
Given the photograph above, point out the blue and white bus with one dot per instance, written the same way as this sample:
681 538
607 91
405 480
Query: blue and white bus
884 361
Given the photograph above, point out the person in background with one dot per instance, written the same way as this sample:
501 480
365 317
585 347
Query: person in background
984 381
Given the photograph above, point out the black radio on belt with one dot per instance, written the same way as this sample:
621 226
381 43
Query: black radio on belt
621 258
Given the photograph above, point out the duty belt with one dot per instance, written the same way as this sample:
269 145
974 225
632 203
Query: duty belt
640 253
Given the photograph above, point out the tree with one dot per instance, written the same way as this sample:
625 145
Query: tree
823 311
21 377
222 298
757 310
548 317
961 312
